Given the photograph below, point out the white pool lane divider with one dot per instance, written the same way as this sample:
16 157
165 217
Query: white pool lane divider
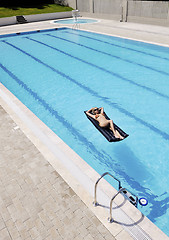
135 231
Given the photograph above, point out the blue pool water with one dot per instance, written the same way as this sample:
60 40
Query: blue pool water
73 21
58 74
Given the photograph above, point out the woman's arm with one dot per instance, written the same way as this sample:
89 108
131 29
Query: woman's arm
101 110
90 110
89 114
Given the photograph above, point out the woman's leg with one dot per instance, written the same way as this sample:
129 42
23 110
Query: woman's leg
112 126
116 133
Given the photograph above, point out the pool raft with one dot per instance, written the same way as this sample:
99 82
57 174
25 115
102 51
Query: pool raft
107 132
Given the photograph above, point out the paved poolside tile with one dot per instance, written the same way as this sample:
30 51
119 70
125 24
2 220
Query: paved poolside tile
36 203
4 234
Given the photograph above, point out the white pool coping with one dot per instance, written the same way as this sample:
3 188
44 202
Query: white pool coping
63 21
129 221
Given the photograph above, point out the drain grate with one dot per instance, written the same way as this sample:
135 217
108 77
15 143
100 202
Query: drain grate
131 227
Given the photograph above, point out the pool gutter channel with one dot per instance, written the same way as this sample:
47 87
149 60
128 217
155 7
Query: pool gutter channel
80 176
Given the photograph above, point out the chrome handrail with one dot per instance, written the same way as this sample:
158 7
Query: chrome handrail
95 189
110 219
128 194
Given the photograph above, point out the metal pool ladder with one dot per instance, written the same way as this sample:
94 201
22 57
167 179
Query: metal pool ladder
126 193
75 15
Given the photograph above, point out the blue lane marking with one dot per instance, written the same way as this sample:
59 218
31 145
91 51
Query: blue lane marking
116 45
102 69
20 34
156 130
111 55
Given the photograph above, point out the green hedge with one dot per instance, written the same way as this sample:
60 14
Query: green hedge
24 3
29 10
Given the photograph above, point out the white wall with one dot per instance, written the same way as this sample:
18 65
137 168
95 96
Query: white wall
156 12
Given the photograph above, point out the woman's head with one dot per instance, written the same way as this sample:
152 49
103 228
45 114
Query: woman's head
95 110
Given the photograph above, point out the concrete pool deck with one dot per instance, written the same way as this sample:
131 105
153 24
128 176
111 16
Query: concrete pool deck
35 201
40 196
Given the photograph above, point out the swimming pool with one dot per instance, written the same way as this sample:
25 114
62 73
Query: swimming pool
60 73
73 21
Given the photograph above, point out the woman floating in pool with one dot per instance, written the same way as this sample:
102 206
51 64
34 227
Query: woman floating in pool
98 114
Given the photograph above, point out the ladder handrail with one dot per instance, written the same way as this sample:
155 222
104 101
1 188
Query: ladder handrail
127 193
95 189
111 202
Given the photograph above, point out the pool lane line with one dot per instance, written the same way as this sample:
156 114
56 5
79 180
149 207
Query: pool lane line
102 69
127 113
116 45
110 55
